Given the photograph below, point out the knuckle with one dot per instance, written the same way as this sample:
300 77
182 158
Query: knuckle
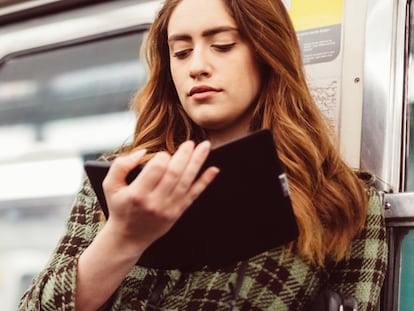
160 161
162 156
173 173
158 167
136 200
118 162
160 215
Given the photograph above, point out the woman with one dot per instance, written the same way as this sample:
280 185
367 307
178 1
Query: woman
219 69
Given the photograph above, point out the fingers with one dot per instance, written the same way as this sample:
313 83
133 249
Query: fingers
164 189
163 171
177 167
167 181
121 167
201 183
152 173
167 174
193 168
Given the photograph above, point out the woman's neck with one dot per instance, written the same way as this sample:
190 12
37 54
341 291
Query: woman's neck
218 137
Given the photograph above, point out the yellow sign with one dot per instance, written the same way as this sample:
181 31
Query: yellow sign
309 14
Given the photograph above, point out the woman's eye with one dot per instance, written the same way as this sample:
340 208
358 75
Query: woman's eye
182 54
223 47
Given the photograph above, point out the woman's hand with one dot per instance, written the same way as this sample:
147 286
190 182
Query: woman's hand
146 209
140 213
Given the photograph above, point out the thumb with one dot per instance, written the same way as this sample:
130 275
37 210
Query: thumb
122 165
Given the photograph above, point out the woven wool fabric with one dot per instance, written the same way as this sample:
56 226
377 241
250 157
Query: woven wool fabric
274 280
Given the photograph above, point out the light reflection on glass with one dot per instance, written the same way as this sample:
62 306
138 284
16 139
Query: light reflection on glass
13 91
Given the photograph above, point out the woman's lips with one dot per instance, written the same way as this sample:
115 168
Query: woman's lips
203 90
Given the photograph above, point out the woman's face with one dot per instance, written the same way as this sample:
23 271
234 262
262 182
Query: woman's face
213 68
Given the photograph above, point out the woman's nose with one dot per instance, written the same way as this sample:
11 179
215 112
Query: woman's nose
199 65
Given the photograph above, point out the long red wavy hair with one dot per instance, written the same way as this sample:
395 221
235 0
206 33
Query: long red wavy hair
329 201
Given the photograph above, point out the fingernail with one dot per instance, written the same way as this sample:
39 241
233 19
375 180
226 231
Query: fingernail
206 143
138 154
216 170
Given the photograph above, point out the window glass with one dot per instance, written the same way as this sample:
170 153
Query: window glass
407 273
77 93
58 107
87 79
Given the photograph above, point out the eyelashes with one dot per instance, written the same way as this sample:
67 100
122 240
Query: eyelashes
222 48
182 54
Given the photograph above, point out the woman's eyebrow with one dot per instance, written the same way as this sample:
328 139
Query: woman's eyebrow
205 33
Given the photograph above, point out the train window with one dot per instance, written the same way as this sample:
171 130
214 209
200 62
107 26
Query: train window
70 82
53 95
406 283
59 106
407 272
399 285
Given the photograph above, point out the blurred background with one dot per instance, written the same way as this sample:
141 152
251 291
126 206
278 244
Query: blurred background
68 70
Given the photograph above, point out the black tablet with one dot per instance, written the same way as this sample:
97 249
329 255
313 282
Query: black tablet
246 210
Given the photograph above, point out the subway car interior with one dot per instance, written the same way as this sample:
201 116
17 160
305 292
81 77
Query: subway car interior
68 69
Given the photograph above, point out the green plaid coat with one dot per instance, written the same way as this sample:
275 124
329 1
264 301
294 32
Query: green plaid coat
273 280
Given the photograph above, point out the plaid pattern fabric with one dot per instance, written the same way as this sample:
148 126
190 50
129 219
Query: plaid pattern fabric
274 280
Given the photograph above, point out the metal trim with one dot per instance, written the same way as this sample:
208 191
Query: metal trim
25 10
73 25
399 207
73 42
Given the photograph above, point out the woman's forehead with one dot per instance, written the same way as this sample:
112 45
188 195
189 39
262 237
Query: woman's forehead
198 16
